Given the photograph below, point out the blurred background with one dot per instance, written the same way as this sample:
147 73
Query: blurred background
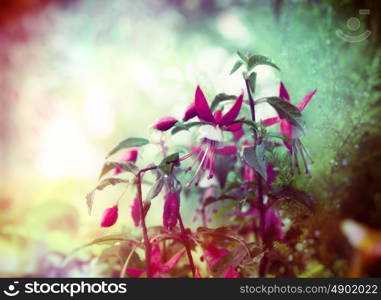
78 76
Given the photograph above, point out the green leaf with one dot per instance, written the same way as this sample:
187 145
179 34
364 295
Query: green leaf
252 80
257 60
104 183
185 126
128 143
169 162
220 98
236 66
155 189
247 122
124 166
242 56
255 157
286 111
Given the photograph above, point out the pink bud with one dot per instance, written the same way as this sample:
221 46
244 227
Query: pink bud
110 215
190 112
171 210
130 155
135 211
165 123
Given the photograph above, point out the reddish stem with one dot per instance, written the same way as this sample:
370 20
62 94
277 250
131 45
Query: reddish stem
187 246
147 244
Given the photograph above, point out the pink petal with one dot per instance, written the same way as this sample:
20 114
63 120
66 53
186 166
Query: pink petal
135 272
218 115
270 121
233 127
306 100
215 254
165 123
135 211
155 256
230 273
110 215
203 110
171 210
283 92
238 134
227 150
233 112
286 128
190 112
172 262
197 274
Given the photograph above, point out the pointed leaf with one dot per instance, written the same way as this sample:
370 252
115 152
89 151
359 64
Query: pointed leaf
155 189
236 66
123 166
255 157
220 98
169 162
180 126
128 143
286 111
257 60
172 262
242 56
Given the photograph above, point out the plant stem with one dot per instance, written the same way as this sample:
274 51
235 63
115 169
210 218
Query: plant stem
187 247
147 244
258 177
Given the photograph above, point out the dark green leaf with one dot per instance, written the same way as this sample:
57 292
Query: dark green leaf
128 143
257 60
220 98
242 56
286 111
236 66
124 166
252 80
224 164
155 189
184 126
169 162
255 157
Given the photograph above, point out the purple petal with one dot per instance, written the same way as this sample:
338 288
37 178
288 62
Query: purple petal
233 112
165 123
110 215
171 210
218 115
203 110
190 112
283 92
286 128
270 121
306 100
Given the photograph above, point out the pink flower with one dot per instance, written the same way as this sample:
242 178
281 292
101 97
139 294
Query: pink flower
130 155
110 216
165 123
289 131
212 134
171 210
158 269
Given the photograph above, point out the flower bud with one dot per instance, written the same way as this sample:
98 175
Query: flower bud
165 123
110 216
190 112
171 210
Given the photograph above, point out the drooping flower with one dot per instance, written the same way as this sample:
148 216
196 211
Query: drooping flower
158 269
130 155
290 131
211 134
165 123
135 211
110 216
171 209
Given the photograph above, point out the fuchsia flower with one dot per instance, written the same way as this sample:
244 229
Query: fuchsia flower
130 155
211 134
110 216
157 268
171 210
289 131
165 123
